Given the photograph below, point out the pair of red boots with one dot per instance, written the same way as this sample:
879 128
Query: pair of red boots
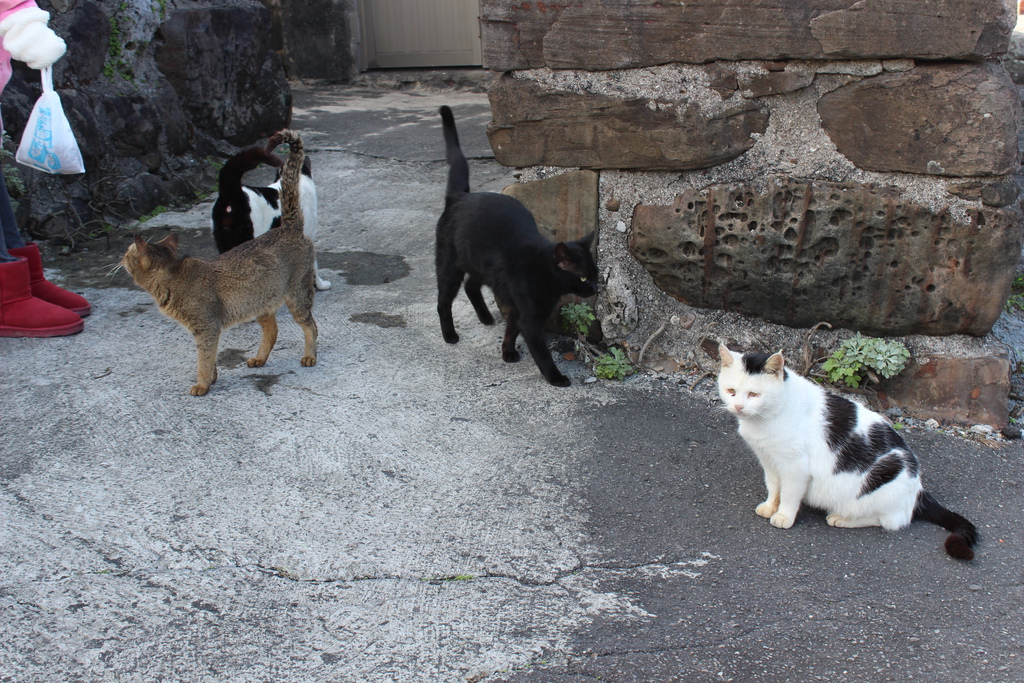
30 305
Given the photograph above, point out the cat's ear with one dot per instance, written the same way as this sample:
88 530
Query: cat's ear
726 355
775 364
142 253
171 241
564 259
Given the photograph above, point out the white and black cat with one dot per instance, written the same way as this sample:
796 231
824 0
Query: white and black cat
834 454
243 212
485 238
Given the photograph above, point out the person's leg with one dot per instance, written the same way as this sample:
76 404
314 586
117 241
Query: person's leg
14 246
10 237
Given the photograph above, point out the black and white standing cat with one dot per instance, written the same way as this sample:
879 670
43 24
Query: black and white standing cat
243 212
825 450
485 238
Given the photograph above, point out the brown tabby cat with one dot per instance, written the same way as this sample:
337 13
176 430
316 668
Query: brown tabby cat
249 282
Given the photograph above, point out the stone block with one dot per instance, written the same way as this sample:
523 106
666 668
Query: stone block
951 388
857 256
618 34
938 119
537 126
564 206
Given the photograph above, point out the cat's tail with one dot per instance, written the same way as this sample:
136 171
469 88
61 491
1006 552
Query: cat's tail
963 537
291 207
458 169
230 176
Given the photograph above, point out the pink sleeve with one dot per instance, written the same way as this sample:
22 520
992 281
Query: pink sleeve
12 6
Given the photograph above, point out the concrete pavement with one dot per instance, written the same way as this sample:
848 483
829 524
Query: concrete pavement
411 511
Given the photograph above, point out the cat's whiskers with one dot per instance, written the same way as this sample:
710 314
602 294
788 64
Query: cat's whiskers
111 268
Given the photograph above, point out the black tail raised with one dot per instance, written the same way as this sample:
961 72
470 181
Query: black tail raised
458 169
963 535
291 208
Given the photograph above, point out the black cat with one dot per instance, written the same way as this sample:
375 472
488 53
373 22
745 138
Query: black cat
485 238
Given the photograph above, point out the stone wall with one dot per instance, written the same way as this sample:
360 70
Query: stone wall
770 166
154 92
318 38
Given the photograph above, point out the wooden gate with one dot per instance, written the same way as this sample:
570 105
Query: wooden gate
418 33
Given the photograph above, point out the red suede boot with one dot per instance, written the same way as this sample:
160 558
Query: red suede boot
23 315
46 290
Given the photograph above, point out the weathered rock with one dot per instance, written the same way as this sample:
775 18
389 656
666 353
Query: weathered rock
777 81
856 256
1000 194
937 29
966 390
220 63
534 126
564 206
939 119
617 34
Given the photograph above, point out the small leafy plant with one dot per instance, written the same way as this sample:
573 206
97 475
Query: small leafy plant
612 364
578 318
860 359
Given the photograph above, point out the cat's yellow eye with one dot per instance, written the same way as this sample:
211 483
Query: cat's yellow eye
731 392
583 279
753 394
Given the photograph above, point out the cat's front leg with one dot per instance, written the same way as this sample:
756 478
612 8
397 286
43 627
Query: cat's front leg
207 342
771 504
791 494
533 335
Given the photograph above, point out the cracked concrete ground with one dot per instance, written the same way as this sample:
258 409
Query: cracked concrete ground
411 511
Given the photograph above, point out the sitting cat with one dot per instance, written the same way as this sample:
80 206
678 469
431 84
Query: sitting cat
249 282
242 212
485 238
834 454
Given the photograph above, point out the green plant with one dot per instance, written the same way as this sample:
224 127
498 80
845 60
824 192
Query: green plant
154 213
860 359
1016 300
117 64
613 365
578 318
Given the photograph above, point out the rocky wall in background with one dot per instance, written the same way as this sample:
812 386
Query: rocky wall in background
155 92
776 165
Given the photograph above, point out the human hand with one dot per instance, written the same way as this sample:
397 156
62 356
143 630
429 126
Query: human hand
27 37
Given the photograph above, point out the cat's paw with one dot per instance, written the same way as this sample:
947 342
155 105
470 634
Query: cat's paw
767 509
780 521
451 337
199 390
255 362
322 284
510 356
560 380
308 361
486 318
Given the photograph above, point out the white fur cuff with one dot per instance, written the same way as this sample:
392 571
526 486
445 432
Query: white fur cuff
28 39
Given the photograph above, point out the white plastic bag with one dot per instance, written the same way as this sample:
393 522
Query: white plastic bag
48 143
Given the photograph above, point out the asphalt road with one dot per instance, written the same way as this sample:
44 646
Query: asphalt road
410 511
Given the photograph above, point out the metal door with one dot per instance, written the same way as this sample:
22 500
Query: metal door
416 33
